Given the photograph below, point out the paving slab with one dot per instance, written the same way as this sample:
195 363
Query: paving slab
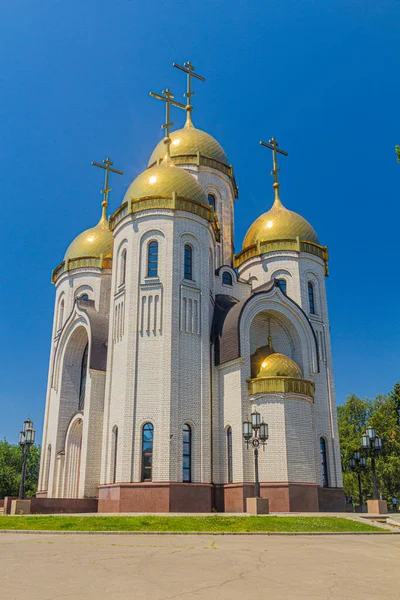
193 567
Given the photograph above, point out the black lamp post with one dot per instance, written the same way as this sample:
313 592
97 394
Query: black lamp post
259 436
357 464
26 439
372 445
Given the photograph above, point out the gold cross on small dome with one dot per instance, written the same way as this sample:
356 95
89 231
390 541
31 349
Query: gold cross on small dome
107 166
189 69
168 98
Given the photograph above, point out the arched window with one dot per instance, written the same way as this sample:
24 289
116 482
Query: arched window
188 271
211 201
114 454
61 315
187 454
82 386
147 451
282 285
311 301
324 462
227 278
123 267
152 259
229 448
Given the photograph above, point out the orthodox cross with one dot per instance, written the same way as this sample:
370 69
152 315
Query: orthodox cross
273 145
168 98
107 166
189 69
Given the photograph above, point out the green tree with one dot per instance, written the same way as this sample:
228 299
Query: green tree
382 414
398 152
11 467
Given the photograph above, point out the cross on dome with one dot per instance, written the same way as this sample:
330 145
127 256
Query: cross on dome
273 145
189 69
168 98
107 166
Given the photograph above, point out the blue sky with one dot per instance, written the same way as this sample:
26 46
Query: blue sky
322 77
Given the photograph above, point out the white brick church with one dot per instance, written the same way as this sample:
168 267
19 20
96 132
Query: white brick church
164 341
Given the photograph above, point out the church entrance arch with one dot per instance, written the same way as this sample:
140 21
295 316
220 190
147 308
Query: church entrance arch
73 450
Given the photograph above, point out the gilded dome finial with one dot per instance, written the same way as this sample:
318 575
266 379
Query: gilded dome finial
107 166
273 145
167 97
189 69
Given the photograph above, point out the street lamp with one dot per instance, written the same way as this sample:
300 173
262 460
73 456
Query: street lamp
259 436
372 445
357 464
26 439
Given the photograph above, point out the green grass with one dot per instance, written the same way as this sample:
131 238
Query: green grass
210 524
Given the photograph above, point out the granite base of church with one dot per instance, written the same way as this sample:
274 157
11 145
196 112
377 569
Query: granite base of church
156 497
377 507
231 498
257 506
42 505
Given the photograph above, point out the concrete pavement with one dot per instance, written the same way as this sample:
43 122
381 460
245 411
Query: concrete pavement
112 567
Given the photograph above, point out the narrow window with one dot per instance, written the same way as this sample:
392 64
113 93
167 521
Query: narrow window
282 285
229 445
324 462
188 272
147 451
82 386
152 259
123 267
211 201
227 278
115 453
47 471
187 454
311 297
61 315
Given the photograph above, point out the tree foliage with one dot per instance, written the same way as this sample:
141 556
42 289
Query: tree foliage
382 414
11 467
398 152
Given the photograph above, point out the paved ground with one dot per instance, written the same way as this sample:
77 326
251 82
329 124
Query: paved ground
112 567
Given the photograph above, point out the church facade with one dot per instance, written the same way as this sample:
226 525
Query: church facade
164 341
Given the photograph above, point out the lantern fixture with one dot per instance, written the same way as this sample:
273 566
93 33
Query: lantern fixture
263 432
255 419
370 432
26 440
372 445
365 442
247 430
257 432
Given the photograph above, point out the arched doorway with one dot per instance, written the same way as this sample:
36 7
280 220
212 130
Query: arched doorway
73 449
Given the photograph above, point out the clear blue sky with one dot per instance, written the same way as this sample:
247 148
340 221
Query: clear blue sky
322 77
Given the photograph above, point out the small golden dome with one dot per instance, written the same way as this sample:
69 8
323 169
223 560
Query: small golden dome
162 181
92 242
279 365
279 223
189 141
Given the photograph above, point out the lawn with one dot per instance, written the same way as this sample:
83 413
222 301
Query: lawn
212 524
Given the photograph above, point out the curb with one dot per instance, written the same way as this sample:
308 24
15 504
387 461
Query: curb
212 533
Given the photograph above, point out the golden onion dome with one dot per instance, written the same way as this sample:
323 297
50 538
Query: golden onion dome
279 365
279 223
92 242
190 141
164 180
